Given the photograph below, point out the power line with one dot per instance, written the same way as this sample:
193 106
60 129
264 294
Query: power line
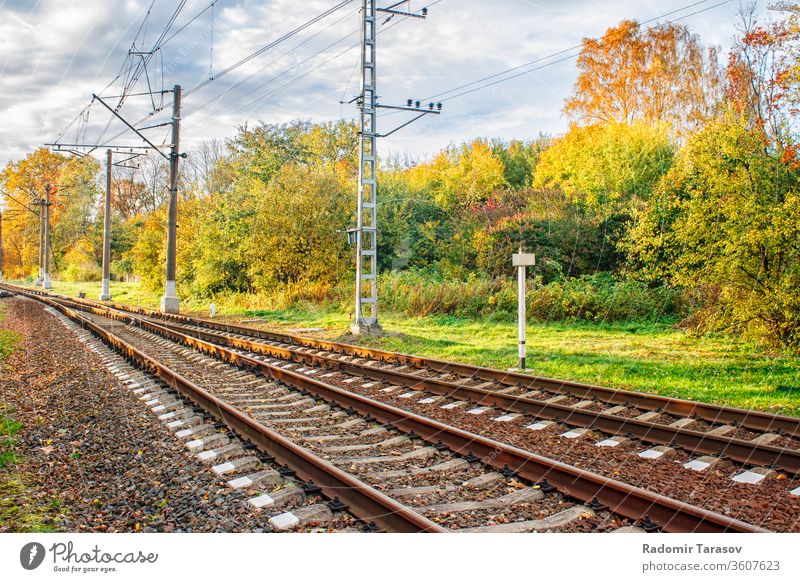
131 75
275 60
260 51
247 59
191 20
291 81
265 48
309 71
555 54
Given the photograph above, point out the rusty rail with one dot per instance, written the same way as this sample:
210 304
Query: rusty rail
751 419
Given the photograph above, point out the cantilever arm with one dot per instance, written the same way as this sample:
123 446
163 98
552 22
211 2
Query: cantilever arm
136 131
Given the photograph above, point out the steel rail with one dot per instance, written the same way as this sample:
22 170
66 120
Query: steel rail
624 499
364 501
739 450
751 419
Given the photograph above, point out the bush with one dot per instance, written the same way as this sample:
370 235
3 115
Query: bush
596 298
81 265
601 298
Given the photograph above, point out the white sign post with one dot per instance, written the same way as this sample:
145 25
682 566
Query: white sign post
521 261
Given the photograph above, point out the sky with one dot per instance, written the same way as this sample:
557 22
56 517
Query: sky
55 54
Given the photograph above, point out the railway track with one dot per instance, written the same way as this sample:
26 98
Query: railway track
762 441
447 446
488 379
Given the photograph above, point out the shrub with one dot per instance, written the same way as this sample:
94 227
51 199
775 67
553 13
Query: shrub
596 298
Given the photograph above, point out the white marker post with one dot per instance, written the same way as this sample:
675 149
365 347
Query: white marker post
521 261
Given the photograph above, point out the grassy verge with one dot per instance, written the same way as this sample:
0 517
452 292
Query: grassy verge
18 512
649 357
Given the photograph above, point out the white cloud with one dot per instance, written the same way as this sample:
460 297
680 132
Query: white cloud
55 53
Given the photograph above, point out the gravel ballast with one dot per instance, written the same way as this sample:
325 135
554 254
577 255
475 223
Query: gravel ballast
88 442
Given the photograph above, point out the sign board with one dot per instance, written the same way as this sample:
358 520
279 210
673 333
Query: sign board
523 259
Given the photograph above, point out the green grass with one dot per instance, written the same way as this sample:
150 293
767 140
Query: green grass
8 431
646 357
128 293
8 426
7 341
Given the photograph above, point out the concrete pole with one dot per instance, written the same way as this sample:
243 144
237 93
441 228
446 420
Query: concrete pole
1 245
41 243
46 283
522 261
105 294
170 302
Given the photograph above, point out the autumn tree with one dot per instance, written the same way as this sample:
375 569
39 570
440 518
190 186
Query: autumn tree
459 178
152 172
605 167
763 76
726 218
661 73
789 60
73 195
129 196
204 171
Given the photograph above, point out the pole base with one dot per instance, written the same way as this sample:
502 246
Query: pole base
364 328
47 283
104 297
170 304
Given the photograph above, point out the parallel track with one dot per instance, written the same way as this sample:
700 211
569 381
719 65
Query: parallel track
752 419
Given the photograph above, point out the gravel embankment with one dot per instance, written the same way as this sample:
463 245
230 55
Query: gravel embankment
89 442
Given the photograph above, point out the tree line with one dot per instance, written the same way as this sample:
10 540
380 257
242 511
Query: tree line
672 195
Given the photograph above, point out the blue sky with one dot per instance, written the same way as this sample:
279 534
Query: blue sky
55 53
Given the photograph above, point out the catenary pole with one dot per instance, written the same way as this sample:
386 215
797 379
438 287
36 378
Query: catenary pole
40 276
170 302
366 232
46 283
105 294
366 311
1 245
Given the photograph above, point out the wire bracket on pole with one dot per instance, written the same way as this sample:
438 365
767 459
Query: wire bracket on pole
136 131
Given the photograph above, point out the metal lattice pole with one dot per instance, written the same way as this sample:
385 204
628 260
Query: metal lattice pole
366 231
366 313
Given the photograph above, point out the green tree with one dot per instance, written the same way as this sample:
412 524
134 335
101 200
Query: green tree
727 217
607 166
297 229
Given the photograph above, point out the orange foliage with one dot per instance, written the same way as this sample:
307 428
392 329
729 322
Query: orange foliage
658 74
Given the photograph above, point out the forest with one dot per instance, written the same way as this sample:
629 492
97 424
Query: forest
673 196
